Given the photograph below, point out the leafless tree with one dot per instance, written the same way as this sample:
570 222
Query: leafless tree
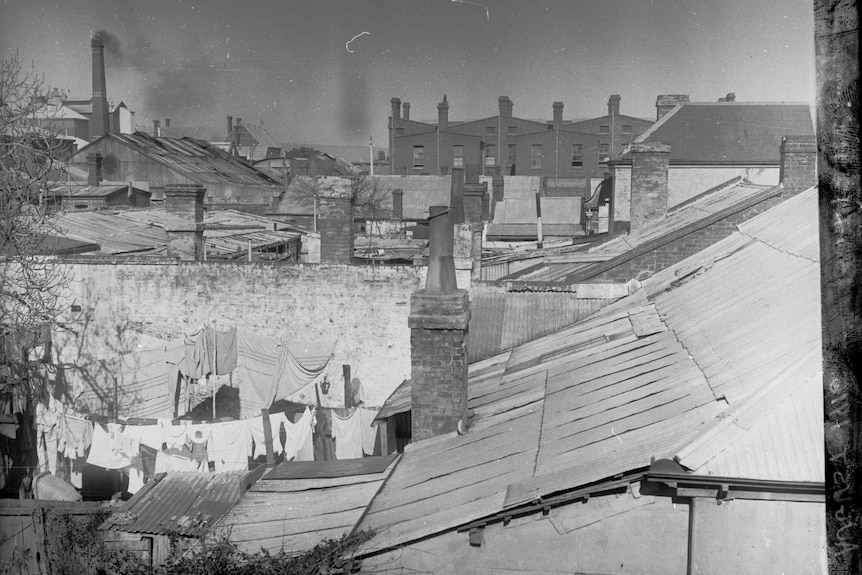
30 284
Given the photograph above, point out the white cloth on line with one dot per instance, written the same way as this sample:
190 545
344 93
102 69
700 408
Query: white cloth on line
348 435
230 445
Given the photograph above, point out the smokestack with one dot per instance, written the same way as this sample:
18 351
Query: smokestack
505 105
614 105
398 204
798 170
666 102
443 115
649 183
456 196
335 222
185 233
99 118
229 127
558 114
94 169
406 107
439 316
157 132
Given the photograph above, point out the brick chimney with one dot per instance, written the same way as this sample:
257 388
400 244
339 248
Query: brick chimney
666 102
497 187
167 122
474 199
99 119
157 131
443 115
94 169
614 105
398 204
186 231
406 107
505 105
237 135
396 108
456 196
649 183
798 170
558 114
439 316
335 222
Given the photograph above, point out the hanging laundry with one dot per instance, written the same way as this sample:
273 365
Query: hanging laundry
299 364
76 435
368 431
167 461
256 365
107 450
255 426
153 436
174 357
136 476
225 345
348 435
172 435
198 435
48 434
198 359
298 443
76 471
148 461
230 446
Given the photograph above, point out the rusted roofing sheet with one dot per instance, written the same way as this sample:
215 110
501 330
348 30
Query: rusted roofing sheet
501 321
201 162
114 235
186 503
294 515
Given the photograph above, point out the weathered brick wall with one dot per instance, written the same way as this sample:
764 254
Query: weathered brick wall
439 391
649 183
364 307
799 163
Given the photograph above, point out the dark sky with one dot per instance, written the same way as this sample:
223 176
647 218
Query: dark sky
287 63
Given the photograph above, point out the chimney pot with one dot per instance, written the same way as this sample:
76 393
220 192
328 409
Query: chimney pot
157 132
731 97
614 105
396 108
406 107
558 114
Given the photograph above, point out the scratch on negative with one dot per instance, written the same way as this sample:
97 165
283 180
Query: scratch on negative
487 11
615 435
347 45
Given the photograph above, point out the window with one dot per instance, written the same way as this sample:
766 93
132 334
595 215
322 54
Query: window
418 156
490 129
510 155
490 155
457 156
627 128
577 155
603 152
604 130
512 130
536 156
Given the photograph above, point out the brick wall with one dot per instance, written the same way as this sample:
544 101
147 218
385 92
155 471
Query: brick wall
335 222
439 395
668 254
798 163
649 194
365 308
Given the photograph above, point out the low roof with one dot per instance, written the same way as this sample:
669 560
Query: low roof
729 132
694 365
180 502
582 264
86 191
298 504
197 160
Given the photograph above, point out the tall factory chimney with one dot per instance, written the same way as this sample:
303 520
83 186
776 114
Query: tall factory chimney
99 119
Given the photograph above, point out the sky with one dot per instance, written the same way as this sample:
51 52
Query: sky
321 71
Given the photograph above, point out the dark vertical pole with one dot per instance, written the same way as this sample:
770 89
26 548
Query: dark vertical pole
267 437
116 404
348 393
539 219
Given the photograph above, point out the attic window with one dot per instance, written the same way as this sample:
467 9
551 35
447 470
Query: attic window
604 130
110 164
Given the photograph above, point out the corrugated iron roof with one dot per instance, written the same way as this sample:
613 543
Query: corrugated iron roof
729 132
114 235
295 514
197 160
98 191
706 371
185 503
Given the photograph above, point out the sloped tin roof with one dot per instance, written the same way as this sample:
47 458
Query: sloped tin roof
728 335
